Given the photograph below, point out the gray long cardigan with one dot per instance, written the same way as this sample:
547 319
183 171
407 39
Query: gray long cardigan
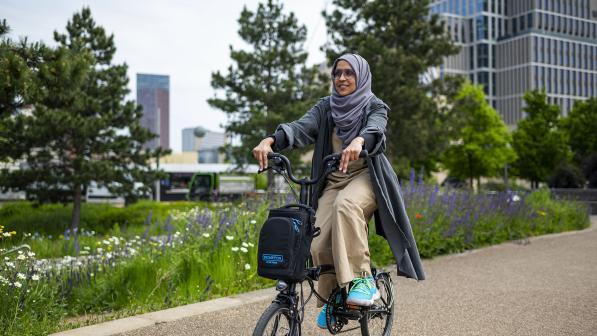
391 220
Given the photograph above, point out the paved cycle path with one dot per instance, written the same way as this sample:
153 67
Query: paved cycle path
544 286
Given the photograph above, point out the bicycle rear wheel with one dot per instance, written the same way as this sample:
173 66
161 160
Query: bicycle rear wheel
378 319
275 320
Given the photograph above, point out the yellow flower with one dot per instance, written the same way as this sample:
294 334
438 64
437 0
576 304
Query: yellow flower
542 213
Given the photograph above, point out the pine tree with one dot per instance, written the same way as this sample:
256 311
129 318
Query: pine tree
401 41
539 141
483 146
82 128
19 62
268 84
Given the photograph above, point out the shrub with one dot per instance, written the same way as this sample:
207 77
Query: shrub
566 176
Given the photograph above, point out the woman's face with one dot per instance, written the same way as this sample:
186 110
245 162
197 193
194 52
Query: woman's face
345 79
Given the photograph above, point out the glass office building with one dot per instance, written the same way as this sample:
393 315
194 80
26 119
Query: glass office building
512 46
153 93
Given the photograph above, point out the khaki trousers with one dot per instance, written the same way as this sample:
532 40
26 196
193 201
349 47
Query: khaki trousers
343 212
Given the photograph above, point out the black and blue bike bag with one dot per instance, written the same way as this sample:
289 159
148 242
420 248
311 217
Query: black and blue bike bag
284 243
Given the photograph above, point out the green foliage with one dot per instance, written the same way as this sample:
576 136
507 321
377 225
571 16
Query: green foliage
482 148
18 64
268 84
590 170
54 219
401 42
581 129
539 140
566 175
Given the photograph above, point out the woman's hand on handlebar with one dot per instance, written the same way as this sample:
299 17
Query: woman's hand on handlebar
260 152
351 153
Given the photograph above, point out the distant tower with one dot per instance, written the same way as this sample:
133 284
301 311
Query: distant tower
153 93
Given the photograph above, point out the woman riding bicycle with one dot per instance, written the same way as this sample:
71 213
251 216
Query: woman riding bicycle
350 120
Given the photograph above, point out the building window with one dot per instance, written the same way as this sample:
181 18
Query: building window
561 53
536 49
561 81
483 77
540 48
481 27
514 26
587 57
574 54
482 55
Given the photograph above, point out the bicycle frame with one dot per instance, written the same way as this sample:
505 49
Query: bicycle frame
288 291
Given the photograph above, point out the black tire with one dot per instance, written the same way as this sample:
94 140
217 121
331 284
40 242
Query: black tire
380 323
275 320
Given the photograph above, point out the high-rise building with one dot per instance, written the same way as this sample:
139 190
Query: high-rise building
513 46
153 93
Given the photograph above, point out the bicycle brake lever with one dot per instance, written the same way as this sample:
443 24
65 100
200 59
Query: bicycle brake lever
277 169
263 170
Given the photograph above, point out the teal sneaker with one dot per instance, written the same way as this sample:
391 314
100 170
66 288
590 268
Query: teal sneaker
362 292
321 321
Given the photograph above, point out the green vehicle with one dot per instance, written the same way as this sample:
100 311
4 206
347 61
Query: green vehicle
212 186
195 182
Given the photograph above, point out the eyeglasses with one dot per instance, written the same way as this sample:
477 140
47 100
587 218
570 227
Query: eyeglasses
347 73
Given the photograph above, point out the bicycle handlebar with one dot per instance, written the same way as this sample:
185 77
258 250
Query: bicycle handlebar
330 163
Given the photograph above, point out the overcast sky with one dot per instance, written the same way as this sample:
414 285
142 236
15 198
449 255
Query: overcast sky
186 40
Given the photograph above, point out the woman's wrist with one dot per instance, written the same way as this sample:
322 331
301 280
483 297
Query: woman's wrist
360 140
270 140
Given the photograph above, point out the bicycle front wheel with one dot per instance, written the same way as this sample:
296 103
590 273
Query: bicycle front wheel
275 320
379 317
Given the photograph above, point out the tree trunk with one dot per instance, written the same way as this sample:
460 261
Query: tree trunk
76 217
